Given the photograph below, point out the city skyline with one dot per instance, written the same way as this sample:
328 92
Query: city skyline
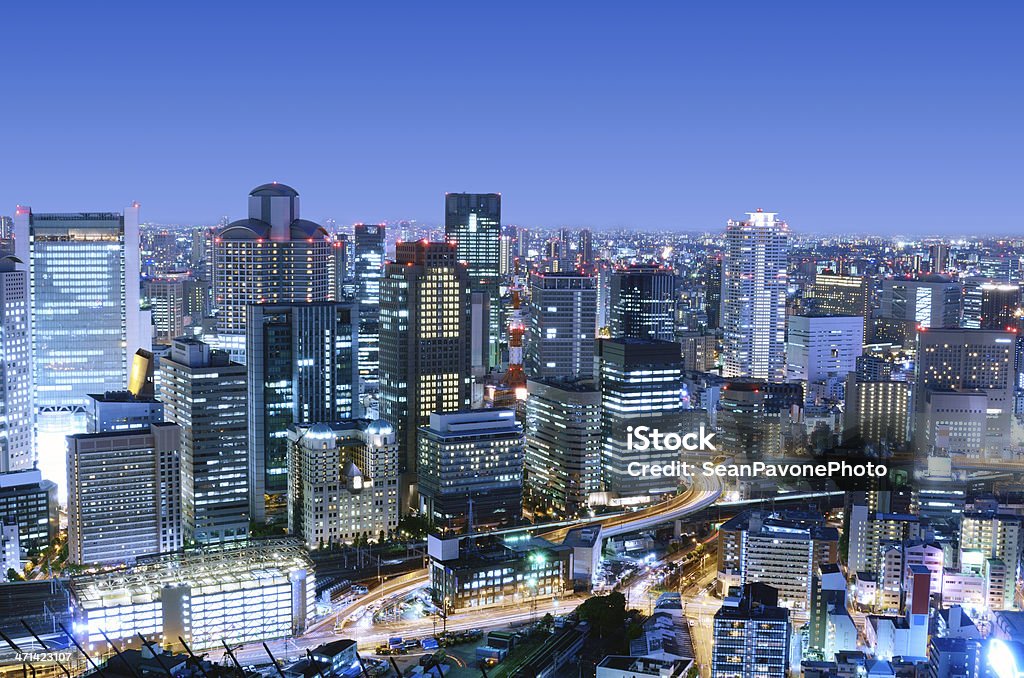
861 121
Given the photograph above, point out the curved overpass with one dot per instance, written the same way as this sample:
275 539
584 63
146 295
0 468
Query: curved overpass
704 492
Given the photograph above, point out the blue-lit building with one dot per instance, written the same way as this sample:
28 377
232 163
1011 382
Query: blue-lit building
643 302
369 269
302 368
16 413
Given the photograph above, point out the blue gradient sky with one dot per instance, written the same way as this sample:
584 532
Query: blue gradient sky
869 116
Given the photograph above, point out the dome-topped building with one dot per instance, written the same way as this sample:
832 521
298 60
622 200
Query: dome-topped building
273 256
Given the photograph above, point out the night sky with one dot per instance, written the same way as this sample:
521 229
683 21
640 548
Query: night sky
861 117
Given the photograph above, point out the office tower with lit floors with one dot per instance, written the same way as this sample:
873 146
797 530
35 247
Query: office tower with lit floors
369 269
471 470
563 446
832 294
751 636
125 494
472 222
754 280
302 368
562 326
425 344
641 384
205 394
271 257
166 299
16 412
643 302
968 362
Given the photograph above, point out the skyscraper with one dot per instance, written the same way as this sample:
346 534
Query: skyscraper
969 360
990 306
166 298
16 414
425 343
125 496
933 301
271 257
641 384
369 269
563 446
819 347
643 302
205 394
563 320
302 368
84 283
754 280
472 222
471 470
832 294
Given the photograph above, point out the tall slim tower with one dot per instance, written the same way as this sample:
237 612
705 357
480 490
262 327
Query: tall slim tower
425 343
272 257
369 269
754 280
204 393
302 368
472 222
16 430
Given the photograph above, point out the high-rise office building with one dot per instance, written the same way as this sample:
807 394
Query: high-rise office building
205 393
713 291
84 284
586 253
990 306
969 360
425 343
30 502
121 411
563 320
783 550
563 446
472 221
820 347
166 299
749 426
369 269
932 301
832 294
271 257
302 364
751 636
343 482
641 384
125 495
878 412
754 281
643 302
16 413
471 470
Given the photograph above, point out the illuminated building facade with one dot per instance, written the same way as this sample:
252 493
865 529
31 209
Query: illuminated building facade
271 257
245 591
205 394
754 280
84 284
472 222
832 294
302 368
425 343
343 482
16 394
125 495
166 299
641 384
369 269
643 302
562 327
563 446
471 470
